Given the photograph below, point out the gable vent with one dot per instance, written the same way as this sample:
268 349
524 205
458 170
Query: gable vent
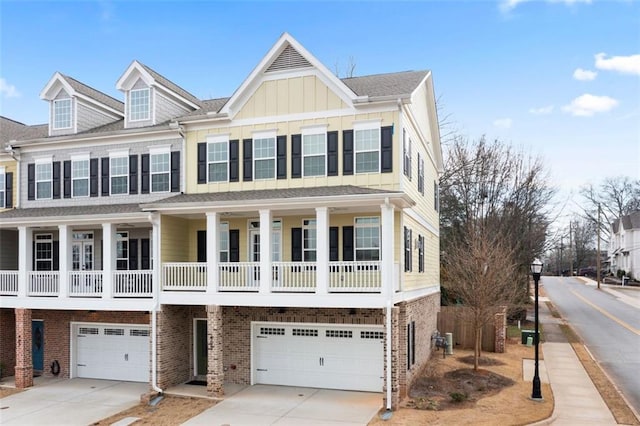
288 59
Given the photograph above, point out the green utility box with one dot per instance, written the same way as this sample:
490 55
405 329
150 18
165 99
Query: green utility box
526 334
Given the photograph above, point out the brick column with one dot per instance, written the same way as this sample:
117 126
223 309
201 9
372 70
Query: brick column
215 369
395 361
500 324
24 361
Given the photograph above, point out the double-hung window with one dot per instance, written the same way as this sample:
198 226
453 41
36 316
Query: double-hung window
2 187
314 151
309 240
44 172
139 104
436 196
406 148
119 174
61 114
367 147
367 236
218 158
44 252
80 176
122 251
264 155
160 171
224 241
420 174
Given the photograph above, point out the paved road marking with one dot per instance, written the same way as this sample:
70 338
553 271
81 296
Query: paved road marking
607 314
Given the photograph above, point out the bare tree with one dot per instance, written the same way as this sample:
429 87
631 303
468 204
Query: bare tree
584 236
480 272
350 68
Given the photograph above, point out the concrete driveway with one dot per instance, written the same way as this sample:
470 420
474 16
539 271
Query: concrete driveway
292 406
69 402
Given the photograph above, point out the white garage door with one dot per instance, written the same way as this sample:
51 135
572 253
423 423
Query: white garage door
318 355
112 351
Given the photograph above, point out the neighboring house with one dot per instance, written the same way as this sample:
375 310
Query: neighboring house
624 245
303 248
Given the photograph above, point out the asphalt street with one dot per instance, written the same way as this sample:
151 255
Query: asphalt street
609 328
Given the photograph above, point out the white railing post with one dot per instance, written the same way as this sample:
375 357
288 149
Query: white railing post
109 259
322 250
156 264
213 223
387 249
266 230
64 238
25 256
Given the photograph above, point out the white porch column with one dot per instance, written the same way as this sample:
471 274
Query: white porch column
108 259
25 259
213 244
387 249
266 229
64 241
322 250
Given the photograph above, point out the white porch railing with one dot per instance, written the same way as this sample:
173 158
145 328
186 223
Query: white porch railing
133 283
8 283
239 276
294 276
44 283
85 283
357 277
191 276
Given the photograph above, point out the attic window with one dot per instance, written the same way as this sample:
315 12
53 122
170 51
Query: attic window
62 114
139 105
290 58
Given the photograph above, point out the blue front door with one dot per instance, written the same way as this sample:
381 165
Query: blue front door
37 344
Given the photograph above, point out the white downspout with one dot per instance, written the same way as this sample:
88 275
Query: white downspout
155 221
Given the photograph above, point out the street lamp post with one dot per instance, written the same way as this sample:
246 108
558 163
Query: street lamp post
536 269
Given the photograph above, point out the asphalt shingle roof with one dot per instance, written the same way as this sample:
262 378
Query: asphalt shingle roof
171 85
94 94
14 130
43 212
391 84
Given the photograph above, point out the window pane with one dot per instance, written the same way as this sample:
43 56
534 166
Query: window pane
80 169
160 182
265 169
119 185
367 140
80 188
160 163
218 151
139 104
119 166
43 171
218 172
43 190
314 166
264 148
367 162
62 114
313 144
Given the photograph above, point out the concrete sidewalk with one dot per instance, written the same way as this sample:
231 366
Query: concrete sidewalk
576 399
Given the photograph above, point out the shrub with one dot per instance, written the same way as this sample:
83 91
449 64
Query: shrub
458 397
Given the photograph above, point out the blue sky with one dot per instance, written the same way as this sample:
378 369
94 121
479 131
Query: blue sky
556 78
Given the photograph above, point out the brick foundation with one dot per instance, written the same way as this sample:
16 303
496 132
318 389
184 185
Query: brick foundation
7 341
24 362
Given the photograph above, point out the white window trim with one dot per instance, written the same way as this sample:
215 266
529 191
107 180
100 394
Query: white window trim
216 139
40 162
367 124
75 159
43 239
113 156
308 227
267 134
366 225
361 126
53 114
159 151
276 228
122 236
3 188
312 131
223 229
148 117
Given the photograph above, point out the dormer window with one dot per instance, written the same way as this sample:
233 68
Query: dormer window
139 104
61 114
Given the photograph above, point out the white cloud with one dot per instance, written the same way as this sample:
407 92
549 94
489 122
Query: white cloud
570 2
545 110
587 105
624 64
584 75
8 90
503 123
507 6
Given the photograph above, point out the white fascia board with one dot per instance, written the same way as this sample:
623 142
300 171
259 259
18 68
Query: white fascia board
129 78
168 94
405 296
96 220
80 303
250 84
47 93
422 221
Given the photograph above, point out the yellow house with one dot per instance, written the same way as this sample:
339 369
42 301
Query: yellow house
307 230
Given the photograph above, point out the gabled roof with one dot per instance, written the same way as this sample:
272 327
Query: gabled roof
391 84
630 221
157 78
76 88
14 130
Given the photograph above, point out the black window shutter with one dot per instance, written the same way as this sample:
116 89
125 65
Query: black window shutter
234 160
386 149
105 177
332 153
347 152
145 253
410 154
296 156
175 171
421 254
144 173
202 162
56 179
133 174
281 157
334 250
133 255
296 244
33 256
56 255
406 249
410 250
8 187
202 246
93 177
347 243
66 179
31 182
408 346
247 160
413 342
234 245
